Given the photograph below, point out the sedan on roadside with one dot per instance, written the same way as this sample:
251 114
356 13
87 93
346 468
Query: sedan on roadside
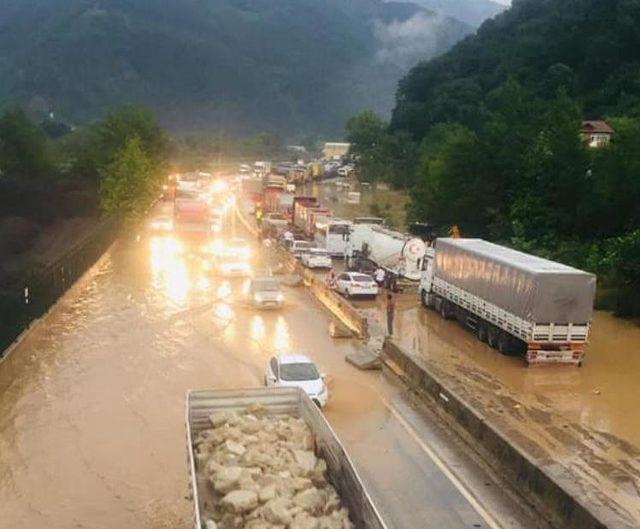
297 371
299 247
161 223
316 258
265 293
351 284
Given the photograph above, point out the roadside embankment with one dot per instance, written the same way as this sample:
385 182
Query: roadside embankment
550 487
41 284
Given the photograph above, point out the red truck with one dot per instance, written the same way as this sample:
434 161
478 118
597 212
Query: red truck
299 204
192 216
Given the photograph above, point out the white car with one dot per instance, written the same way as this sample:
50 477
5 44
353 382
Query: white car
346 170
232 266
236 247
265 293
316 258
297 371
352 284
298 247
162 223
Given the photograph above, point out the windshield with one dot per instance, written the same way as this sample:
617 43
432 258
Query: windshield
276 216
298 372
320 253
266 285
361 278
301 244
339 229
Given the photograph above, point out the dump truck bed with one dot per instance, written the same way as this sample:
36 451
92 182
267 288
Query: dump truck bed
283 401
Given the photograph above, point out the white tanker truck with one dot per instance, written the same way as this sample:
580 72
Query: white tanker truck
371 245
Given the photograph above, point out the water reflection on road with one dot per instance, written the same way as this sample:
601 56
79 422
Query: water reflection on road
92 401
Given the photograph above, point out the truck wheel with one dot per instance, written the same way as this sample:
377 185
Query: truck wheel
482 332
492 336
444 309
423 299
503 343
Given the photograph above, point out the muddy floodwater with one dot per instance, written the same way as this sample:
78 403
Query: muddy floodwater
583 423
92 400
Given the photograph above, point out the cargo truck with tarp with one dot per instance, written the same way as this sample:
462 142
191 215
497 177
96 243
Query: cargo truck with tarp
516 302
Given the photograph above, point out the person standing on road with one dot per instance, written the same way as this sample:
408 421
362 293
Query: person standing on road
379 276
391 309
331 280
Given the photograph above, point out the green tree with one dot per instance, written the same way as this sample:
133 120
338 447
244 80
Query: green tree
553 176
615 182
364 131
128 122
23 147
128 183
450 188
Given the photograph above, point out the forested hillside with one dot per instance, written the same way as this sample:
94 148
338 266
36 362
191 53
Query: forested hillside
486 137
294 65
590 48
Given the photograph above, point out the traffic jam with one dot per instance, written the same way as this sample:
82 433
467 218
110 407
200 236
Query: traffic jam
477 283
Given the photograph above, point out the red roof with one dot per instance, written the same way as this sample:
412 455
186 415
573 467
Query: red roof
596 126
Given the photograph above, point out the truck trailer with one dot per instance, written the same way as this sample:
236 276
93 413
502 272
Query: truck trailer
517 303
217 415
400 255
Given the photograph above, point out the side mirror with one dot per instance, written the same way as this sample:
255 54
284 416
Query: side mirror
272 378
323 376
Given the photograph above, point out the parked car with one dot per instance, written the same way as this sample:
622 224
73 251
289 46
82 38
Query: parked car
265 293
351 284
345 170
295 370
316 258
162 223
299 247
276 219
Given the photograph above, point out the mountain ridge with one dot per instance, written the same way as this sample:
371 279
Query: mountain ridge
294 65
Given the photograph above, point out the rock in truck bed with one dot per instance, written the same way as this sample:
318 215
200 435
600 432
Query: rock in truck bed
259 471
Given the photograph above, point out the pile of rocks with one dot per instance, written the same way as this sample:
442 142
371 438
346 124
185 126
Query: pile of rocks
258 471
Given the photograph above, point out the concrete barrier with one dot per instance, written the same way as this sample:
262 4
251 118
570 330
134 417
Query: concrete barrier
338 306
558 499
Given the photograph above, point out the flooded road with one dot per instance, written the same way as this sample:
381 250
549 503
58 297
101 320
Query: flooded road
581 423
92 401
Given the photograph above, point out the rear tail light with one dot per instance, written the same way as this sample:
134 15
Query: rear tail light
576 355
533 355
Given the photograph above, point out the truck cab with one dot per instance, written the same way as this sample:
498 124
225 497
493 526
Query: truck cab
426 278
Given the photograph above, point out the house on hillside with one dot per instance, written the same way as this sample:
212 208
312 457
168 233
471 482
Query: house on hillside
596 133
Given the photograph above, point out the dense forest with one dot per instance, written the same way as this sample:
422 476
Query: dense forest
486 137
293 66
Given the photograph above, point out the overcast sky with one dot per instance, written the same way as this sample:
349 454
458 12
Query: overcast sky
504 2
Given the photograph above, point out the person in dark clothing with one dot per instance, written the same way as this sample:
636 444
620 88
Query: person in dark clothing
391 309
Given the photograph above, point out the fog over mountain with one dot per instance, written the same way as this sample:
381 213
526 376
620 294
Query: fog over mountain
472 12
296 66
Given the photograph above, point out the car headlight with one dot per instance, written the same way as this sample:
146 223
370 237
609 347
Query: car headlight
280 297
258 297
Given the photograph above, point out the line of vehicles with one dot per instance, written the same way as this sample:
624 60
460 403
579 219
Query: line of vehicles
517 303
294 386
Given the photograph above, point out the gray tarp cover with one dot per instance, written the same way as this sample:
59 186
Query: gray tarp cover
530 287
